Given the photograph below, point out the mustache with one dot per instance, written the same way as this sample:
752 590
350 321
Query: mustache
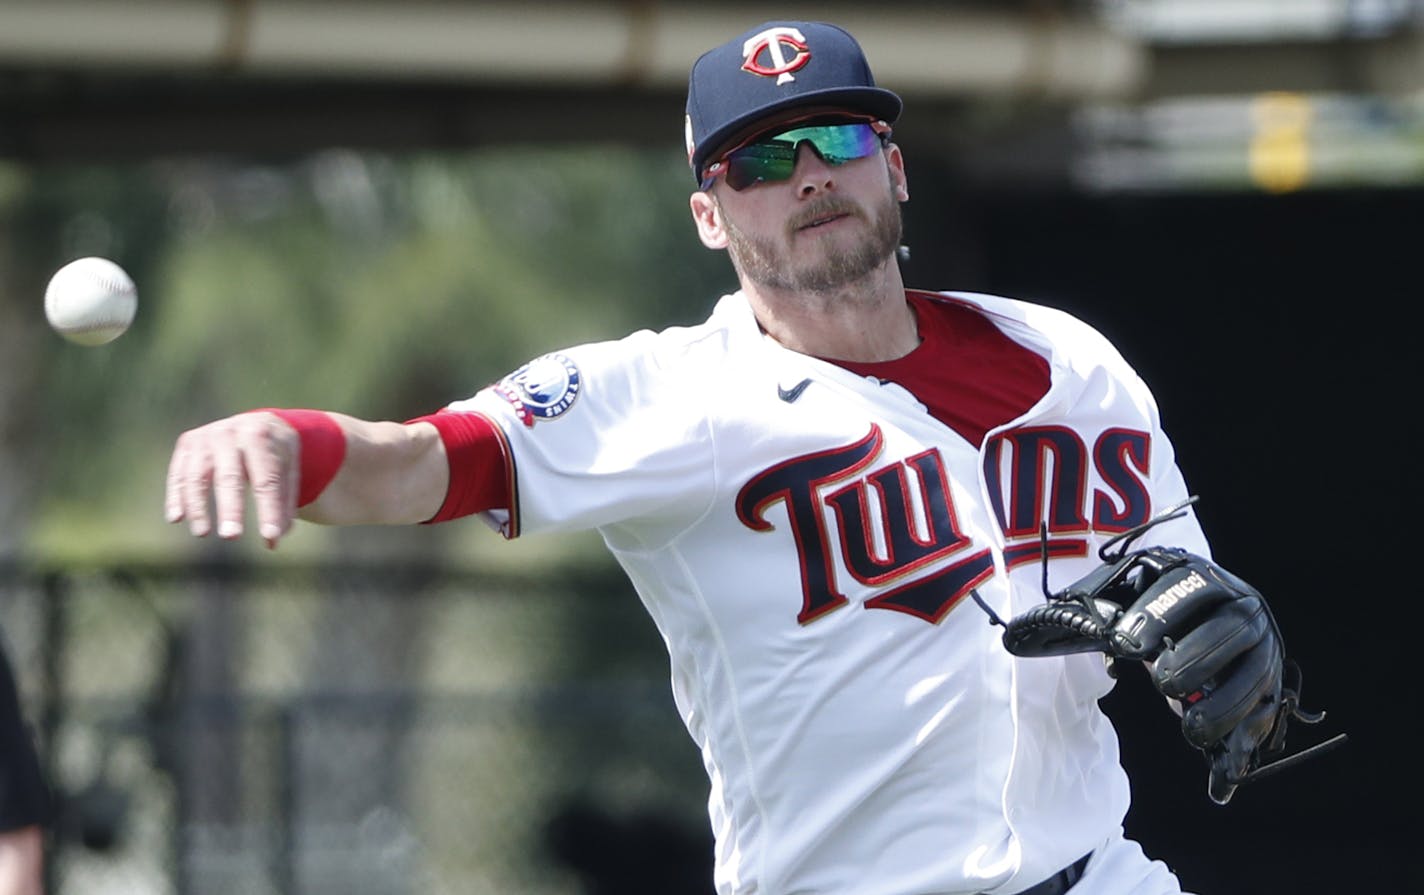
821 209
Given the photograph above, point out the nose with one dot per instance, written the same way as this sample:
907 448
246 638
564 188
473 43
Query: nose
812 174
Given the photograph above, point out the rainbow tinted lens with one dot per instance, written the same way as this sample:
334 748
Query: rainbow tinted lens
774 158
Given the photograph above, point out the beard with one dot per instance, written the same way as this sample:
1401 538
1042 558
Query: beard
766 262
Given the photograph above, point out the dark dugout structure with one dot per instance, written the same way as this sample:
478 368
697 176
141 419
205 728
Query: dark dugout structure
1272 331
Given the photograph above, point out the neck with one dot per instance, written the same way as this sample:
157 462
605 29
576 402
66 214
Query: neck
865 321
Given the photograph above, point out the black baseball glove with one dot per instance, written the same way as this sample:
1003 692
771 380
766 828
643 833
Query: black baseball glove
1208 640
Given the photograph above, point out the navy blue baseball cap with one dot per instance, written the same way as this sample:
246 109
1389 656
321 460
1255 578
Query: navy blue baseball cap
774 68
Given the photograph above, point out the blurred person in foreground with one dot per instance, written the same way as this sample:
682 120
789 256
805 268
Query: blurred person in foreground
24 797
819 494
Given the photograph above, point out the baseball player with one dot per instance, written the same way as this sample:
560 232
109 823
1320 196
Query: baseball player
819 493
24 798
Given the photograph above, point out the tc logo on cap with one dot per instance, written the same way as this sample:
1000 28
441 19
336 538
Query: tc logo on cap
773 42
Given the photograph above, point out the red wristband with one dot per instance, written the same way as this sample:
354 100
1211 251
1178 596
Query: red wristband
323 448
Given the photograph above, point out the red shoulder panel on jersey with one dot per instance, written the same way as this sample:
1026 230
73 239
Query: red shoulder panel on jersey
481 467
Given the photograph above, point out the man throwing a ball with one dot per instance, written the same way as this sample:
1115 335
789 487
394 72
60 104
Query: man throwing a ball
815 492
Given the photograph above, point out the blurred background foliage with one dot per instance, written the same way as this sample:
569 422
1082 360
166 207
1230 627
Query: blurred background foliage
381 286
205 729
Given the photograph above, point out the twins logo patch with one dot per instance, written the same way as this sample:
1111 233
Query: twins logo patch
542 389
773 43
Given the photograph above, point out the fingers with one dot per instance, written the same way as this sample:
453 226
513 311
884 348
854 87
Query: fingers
214 465
270 460
1232 757
1226 766
1202 654
229 481
189 473
1240 694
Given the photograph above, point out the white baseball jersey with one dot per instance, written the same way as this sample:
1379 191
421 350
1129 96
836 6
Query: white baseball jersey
807 541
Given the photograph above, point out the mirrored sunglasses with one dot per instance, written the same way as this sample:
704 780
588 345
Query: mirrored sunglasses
774 158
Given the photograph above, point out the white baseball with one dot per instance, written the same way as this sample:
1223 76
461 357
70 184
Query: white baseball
91 301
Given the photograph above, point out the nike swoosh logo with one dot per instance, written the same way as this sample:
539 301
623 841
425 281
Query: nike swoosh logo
789 395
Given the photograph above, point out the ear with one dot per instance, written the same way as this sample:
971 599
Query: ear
899 182
707 215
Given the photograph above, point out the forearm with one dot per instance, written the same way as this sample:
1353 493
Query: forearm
22 861
391 473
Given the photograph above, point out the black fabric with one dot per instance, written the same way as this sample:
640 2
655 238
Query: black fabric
24 794
1061 881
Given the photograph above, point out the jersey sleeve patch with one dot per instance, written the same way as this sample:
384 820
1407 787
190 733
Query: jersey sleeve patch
543 389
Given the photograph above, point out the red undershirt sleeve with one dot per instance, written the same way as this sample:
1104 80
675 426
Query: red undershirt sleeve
481 466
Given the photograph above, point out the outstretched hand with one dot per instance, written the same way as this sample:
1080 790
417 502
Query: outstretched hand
213 466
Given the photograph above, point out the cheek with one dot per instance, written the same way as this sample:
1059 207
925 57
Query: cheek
751 217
